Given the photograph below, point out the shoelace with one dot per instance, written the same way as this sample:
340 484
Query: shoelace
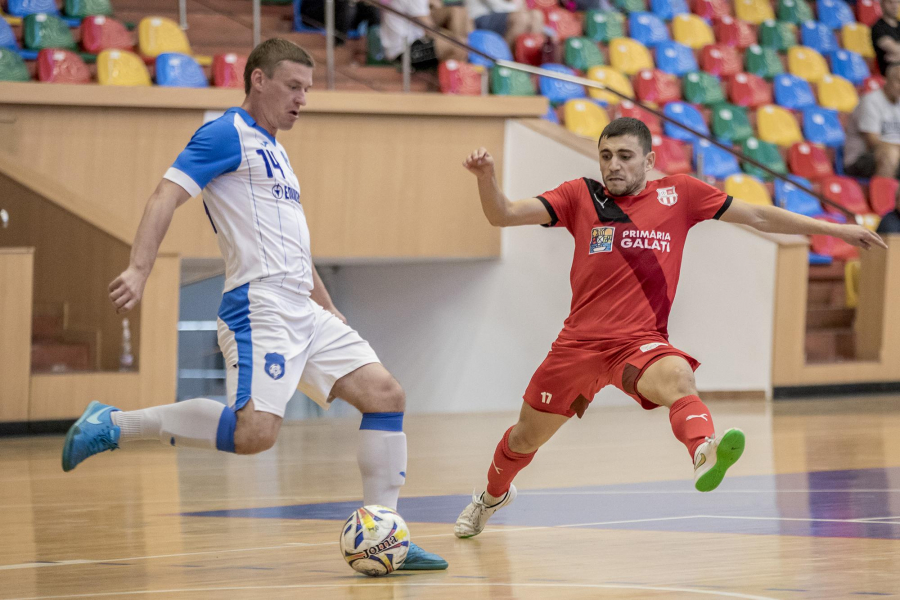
102 442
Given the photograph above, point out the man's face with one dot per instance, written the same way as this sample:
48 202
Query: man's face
284 93
624 165
889 8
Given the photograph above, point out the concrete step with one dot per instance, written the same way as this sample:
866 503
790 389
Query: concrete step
829 318
830 345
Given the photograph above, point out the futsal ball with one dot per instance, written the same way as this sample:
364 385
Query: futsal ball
375 540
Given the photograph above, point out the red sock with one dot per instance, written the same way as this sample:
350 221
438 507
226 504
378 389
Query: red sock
691 422
505 466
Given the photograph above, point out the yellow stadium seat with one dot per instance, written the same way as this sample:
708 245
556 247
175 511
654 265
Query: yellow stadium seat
858 38
120 67
629 56
749 189
612 79
807 64
754 11
585 118
159 34
777 125
851 283
692 31
837 93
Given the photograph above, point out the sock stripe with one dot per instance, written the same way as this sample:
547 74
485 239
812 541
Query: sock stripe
388 421
225 432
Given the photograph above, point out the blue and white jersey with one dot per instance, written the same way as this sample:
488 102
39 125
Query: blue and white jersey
252 198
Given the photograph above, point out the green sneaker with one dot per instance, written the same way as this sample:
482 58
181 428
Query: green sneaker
714 457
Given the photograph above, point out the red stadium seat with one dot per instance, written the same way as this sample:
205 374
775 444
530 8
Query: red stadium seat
530 48
544 5
868 12
834 247
734 32
875 82
747 89
61 66
846 192
630 109
672 156
883 194
101 33
659 87
711 9
565 23
228 70
721 60
460 78
809 161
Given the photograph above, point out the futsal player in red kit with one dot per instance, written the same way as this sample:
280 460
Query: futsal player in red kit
629 238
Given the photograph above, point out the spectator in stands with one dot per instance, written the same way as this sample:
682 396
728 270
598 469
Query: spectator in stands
425 51
509 18
873 133
886 35
890 223
348 15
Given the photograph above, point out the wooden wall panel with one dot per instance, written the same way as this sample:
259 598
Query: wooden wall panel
159 333
16 267
64 396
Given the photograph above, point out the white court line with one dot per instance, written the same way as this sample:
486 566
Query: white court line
399 584
719 492
748 518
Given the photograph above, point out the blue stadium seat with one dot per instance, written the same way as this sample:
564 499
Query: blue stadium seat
7 36
667 9
558 91
818 36
834 13
675 58
822 126
647 28
793 93
491 44
716 162
551 115
792 198
179 70
850 65
23 8
686 114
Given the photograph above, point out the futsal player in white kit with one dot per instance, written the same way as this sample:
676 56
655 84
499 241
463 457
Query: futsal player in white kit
278 328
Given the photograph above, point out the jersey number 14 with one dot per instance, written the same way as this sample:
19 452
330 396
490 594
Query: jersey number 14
269 158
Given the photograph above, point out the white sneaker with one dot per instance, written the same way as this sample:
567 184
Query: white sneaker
714 456
472 520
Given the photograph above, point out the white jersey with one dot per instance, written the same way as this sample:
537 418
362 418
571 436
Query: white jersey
252 198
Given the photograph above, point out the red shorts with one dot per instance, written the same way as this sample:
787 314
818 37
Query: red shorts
573 372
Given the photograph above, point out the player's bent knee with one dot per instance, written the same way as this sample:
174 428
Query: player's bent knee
390 396
524 439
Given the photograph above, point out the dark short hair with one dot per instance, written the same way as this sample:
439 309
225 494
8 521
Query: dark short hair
269 53
629 126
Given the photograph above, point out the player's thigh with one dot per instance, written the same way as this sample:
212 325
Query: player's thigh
667 380
566 381
534 429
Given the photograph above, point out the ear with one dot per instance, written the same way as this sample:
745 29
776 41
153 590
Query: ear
256 79
650 161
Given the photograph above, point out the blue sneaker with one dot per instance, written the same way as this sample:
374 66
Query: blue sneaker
420 560
91 434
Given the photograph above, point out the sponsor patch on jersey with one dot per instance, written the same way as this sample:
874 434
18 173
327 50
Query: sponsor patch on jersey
280 190
602 239
275 365
667 196
649 347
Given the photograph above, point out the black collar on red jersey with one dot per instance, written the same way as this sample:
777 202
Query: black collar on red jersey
607 209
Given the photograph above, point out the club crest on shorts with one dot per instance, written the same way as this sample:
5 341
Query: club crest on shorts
602 239
275 365
667 196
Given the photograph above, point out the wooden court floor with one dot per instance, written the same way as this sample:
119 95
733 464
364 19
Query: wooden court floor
606 510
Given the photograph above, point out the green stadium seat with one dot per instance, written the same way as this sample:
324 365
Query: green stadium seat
46 31
602 26
794 11
765 153
582 54
702 88
88 8
12 67
508 82
374 51
730 122
763 62
778 35
630 6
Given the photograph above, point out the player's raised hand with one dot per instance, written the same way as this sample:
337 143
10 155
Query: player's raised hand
126 290
860 236
480 163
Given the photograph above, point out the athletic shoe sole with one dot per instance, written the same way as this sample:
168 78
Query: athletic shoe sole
70 436
513 492
730 448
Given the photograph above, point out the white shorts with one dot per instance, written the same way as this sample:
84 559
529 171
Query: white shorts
276 341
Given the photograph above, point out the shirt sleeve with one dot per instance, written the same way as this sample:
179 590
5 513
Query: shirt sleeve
213 150
869 120
705 201
560 202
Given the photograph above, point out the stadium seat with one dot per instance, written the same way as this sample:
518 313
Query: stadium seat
630 109
668 9
883 194
777 126
764 62
508 82
872 83
721 60
807 64
556 91
489 43
734 32
833 247
692 31
612 79
23 8
753 11
794 11
630 6
712 9
823 126
868 12
585 118
629 56
41 31
7 36
158 35
777 35
88 8
551 115
791 196
228 70
647 28
61 66
792 92
834 13
542 5
105 33
581 54
856 37
671 157
730 122
850 65
656 86
817 35
603 26
374 50
566 24
174 69
12 67
676 59
684 113
846 192
837 93
749 189
120 67
764 153
529 49
460 78
746 89
712 161
809 161
702 88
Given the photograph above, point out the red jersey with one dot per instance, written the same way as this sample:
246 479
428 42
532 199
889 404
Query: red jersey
628 251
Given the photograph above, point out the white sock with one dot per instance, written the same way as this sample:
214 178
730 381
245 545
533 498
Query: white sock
382 463
192 423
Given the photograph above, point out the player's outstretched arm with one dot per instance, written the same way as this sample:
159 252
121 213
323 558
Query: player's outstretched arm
772 219
499 211
321 296
126 290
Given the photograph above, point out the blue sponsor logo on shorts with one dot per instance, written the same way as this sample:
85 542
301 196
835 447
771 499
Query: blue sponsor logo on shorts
275 365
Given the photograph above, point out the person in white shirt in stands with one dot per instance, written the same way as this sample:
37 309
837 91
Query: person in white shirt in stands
278 328
873 133
509 18
397 33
